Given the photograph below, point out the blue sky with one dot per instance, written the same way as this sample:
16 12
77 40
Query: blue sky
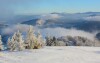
48 6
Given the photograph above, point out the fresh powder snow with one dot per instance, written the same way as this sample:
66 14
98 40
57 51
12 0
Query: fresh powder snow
53 54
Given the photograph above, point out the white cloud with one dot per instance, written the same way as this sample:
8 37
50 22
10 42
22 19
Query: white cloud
58 32
40 22
51 16
93 18
14 28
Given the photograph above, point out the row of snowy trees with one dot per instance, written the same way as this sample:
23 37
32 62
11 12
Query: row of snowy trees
71 41
53 41
17 43
35 41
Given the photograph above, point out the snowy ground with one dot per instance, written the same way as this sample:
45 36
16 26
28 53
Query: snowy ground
53 55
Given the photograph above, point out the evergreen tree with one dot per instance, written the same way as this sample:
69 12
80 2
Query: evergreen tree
1 44
20 41
39 40
31 39
16 43
53 41
9 43
48 40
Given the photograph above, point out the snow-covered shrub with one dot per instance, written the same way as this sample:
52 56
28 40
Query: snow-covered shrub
16 43
1 44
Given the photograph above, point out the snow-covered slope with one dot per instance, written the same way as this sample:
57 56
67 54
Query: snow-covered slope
53 55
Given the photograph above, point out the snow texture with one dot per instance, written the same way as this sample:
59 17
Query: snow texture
64 54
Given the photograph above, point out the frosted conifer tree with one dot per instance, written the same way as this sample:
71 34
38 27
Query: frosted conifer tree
9 43
16 43
19 40
31 39
39 40
1 44
48 40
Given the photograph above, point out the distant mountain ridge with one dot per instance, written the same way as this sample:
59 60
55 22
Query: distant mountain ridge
79 24
30 22
65 20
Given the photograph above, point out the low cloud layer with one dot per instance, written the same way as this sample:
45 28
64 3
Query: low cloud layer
40 22
14 28
93 18
53 16
57 32
50 16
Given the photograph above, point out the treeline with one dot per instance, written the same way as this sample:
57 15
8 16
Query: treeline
35 41
71 41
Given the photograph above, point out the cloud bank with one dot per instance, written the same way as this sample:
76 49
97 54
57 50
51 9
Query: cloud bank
93 18
13 28
57 32
50 16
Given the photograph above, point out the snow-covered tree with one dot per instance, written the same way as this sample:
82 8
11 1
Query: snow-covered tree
51 41
83 41
48 40
40 40
16 43
9 43
31 39
1 44
19 39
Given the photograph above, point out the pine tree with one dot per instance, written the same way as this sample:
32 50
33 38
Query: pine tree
19 40
49 40
33 41
39 40
16 43
9 43
1 44
30 39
